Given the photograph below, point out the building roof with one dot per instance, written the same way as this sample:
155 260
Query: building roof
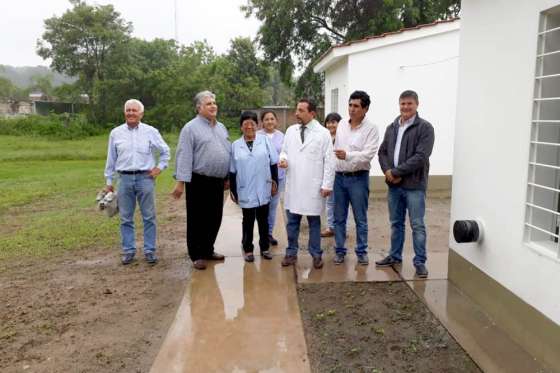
339 51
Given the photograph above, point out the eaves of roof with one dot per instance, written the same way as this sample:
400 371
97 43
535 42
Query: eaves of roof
331 56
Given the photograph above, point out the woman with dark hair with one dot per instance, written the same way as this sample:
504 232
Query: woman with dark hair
331 122
253 181
269 122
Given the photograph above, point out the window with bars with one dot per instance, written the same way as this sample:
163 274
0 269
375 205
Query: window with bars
542 224
334 100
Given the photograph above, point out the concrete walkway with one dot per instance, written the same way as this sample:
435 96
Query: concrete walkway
244 317
237 316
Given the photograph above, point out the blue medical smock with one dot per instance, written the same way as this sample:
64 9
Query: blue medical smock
252 169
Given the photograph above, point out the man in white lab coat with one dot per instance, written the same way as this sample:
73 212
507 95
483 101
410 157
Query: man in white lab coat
308 157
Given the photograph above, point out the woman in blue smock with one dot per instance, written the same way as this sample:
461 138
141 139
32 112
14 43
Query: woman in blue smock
253 181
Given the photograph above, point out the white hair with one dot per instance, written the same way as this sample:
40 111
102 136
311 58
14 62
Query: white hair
134 101
201 95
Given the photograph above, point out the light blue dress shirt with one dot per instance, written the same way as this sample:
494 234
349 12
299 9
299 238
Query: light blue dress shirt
204 149
254 180
133 149
402 128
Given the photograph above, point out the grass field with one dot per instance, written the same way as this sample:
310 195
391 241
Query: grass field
47 195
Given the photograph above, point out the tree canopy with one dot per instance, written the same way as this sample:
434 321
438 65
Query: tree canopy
7 88
81 42
94 43
295 32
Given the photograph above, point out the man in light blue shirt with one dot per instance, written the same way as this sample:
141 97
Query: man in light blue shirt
201 170
131 153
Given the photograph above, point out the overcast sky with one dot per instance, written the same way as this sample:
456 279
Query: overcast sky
217 21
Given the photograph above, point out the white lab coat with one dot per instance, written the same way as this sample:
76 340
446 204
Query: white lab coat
310 168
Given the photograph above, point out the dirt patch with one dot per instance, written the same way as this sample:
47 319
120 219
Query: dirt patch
375 327
84 312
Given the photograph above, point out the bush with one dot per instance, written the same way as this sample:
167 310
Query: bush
232 124
59 126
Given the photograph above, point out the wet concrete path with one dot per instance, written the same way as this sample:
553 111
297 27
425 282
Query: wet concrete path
237 316
244 317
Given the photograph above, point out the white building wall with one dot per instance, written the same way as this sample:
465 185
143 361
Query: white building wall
337 77
496 82
426 65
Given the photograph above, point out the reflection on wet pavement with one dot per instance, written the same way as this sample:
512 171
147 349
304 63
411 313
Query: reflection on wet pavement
488 345
437 266
348 271
244 317
237 317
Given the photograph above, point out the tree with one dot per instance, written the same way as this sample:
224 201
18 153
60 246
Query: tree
135 73
81 41
243 56
278 91
69 92
7 88
42 83
310 85
175 85
296 32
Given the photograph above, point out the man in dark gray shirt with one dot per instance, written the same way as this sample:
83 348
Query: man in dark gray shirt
201 168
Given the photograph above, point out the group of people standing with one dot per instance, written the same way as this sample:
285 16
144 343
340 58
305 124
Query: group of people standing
310 165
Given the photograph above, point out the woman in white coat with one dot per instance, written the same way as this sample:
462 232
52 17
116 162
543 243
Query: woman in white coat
308 157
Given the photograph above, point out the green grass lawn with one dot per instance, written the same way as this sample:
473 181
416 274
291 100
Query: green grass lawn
47 195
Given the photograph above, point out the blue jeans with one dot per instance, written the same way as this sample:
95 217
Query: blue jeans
292 229
330 211
132 188
352 190
274 201
414 201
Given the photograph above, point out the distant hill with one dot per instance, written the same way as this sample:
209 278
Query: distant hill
21 75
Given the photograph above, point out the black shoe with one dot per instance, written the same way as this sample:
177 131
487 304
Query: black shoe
363 259
151 258
266 255
388 261
199 264
289 260
216 256
421 271
127 258
317 262
338 259
273 241
249 257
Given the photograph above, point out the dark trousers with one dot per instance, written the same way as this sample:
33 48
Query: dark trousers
249 215
205 202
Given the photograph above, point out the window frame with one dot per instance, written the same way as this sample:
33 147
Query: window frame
544 148
334 100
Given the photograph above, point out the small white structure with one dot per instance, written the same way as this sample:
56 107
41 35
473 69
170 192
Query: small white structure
423 59
507 167
37 96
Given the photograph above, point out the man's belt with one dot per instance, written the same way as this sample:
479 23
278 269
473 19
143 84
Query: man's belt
353 173
135 172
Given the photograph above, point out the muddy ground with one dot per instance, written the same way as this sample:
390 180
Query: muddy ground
375 327
84 312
